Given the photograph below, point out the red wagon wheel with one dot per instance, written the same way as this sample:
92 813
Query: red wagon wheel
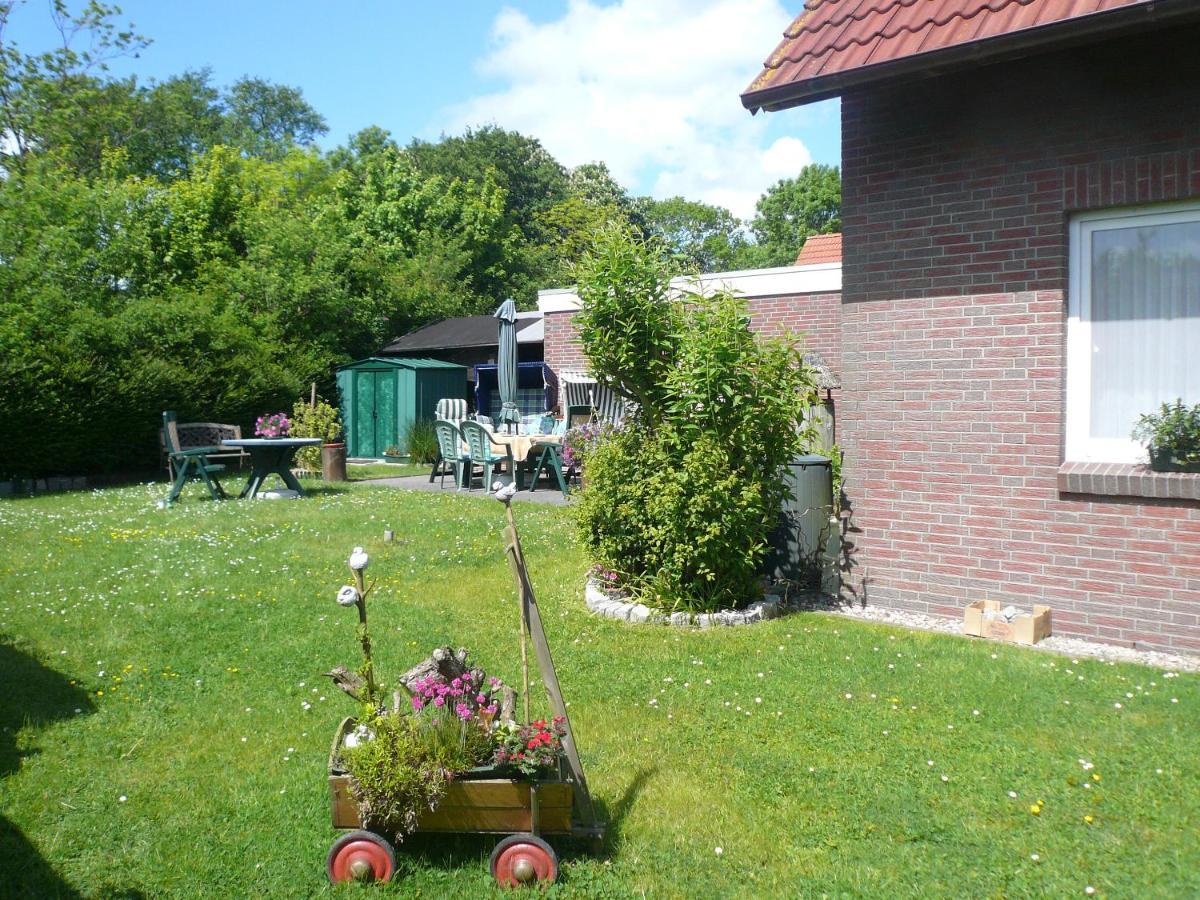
523 859
360 856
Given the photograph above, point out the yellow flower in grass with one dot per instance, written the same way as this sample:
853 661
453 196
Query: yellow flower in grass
1088 819
1035 810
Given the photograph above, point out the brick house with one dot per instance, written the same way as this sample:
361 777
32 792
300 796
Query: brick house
1021 279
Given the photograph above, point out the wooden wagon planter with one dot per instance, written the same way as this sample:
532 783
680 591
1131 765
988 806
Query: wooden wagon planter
482 801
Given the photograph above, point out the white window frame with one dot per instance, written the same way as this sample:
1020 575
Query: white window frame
1080 446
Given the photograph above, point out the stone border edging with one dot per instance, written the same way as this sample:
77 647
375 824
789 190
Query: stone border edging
602 604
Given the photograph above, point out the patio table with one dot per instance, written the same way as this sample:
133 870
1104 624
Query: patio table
521 444
271 456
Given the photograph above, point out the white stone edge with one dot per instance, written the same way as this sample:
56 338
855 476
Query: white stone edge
602 604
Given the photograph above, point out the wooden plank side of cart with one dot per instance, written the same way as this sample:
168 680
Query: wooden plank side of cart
500 806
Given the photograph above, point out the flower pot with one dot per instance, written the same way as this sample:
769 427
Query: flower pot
333 462
1162 460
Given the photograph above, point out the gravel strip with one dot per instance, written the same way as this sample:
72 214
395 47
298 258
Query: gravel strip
1054 644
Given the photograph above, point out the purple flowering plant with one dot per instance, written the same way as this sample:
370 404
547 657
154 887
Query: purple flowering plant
582 440
273 425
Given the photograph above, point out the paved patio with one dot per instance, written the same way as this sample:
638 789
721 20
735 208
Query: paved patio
544 494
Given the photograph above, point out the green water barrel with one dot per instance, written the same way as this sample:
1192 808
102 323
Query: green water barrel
803 529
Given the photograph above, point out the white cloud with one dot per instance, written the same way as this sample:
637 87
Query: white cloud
648 86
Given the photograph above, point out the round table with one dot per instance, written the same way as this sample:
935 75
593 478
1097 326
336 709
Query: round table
270 456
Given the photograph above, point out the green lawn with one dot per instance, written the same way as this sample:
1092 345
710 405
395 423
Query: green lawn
166 725
368 471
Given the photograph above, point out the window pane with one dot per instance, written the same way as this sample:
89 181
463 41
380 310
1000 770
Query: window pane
1145 312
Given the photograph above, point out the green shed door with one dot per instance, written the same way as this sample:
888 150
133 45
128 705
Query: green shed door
385 411
364 413
374 412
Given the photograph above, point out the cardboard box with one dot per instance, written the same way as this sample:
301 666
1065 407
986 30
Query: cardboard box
1023 629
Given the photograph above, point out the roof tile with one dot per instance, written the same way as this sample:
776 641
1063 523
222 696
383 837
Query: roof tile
835 36
820 248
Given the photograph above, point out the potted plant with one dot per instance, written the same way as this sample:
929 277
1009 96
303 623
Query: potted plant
273 425
1172 436
316 418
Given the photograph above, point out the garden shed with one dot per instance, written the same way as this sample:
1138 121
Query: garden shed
381 397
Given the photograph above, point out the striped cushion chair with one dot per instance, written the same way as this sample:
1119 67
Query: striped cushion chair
449 410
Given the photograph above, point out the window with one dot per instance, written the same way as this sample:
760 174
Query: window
1133 332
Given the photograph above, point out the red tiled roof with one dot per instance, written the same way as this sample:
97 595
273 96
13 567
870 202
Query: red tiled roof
832 38
820 248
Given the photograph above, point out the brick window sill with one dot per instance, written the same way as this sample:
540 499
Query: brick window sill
1126 480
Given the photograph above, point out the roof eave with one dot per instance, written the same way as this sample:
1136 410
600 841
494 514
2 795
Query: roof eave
1006 46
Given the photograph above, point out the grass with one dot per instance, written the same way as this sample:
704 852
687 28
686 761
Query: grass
369 471
166 725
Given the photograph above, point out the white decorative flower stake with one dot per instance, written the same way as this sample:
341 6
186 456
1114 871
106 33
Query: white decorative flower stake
359 559
356 595
348 595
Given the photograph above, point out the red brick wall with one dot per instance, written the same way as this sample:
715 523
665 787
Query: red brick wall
817 316
561 346
957 195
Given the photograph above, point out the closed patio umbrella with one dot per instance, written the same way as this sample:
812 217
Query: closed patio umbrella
506 364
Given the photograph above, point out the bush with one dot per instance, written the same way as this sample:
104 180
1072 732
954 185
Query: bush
422 441
321 421
680 501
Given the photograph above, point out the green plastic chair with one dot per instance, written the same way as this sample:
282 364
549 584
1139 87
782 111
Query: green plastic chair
450 450
479 443
191 463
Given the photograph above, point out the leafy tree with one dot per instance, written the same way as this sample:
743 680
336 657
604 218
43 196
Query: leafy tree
266 120
699 237
794 208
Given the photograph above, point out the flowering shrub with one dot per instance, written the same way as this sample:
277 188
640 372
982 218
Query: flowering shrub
581 441
532 749
273 425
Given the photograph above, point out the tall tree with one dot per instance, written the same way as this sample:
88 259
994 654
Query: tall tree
794 208
265 119
700 237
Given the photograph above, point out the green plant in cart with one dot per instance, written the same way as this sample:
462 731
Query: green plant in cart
1172 436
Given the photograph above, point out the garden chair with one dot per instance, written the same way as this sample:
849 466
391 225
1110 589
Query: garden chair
190 463
450 455
479 443
453 411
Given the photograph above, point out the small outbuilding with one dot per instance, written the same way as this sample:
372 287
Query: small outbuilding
382 396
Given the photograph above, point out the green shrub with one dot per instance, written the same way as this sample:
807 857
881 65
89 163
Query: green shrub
320 421
422 441
681 500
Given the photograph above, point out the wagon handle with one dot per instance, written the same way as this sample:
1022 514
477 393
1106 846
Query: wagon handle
531 622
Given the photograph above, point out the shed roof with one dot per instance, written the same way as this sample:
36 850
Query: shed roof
835 44
820 248
405 362
465 331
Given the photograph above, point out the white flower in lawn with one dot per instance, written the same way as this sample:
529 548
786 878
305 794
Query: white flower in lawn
347 595
359 559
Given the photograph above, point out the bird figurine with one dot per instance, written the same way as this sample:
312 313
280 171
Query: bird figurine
504 492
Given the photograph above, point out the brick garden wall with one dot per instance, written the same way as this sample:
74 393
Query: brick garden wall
815 315
957 195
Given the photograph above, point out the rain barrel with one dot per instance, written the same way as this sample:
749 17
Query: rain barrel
803 529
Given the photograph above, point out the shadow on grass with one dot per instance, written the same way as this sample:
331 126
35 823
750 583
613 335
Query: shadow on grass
34 695
457 851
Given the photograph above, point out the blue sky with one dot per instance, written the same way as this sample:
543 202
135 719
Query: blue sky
648 86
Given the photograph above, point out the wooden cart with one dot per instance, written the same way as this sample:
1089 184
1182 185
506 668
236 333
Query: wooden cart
479 802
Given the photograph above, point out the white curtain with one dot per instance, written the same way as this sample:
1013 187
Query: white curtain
1145 322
